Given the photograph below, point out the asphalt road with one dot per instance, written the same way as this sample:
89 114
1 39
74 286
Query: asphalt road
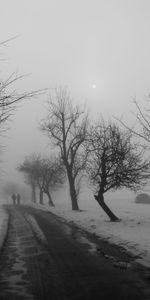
45 258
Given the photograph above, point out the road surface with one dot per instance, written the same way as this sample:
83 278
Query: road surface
45 258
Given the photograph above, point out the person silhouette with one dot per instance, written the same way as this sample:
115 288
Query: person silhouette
13 198
18 198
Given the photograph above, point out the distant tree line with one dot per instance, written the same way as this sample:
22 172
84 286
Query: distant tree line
103 152
46 174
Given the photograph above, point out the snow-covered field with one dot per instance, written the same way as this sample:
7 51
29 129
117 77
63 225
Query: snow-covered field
132 233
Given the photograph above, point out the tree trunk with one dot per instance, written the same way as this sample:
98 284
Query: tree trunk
51 203
41 196
110 214
33 194
73 193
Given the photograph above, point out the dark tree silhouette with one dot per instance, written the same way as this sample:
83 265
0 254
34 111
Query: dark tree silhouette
141 119
27 167
46 173
66 125
49 175
53 175
9 96
114 162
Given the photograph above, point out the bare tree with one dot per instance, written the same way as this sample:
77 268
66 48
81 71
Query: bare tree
46 173
9 97
66 125
114 162
53 175
141 118
38 173
27 168
31 167
49 174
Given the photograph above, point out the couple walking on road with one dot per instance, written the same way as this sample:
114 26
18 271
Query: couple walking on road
16 198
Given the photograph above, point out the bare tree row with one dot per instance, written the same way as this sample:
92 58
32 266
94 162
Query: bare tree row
100 150
46 174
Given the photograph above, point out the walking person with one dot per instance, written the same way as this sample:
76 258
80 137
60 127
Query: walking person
13 199
18 198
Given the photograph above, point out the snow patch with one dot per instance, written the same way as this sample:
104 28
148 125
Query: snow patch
132 233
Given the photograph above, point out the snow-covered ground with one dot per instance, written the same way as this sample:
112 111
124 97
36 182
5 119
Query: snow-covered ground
132 233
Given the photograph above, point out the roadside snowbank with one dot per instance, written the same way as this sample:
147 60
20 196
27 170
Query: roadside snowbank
132 233
3 225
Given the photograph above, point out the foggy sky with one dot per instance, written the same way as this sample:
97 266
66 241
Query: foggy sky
73 43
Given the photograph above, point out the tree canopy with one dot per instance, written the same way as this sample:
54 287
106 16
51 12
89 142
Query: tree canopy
114 161
66 125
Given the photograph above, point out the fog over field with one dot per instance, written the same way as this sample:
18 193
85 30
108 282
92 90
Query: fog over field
98 49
